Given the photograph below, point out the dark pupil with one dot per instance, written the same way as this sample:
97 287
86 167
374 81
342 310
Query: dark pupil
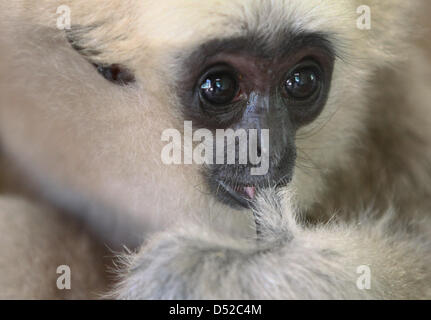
302 84
219 89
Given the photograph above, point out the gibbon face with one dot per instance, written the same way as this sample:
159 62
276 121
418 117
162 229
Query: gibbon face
83 110
248 83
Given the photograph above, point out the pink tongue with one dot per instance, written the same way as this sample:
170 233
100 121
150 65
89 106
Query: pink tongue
250 192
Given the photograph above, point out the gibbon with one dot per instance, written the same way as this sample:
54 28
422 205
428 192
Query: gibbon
89 88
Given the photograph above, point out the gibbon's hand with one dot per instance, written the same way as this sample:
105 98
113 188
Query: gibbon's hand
286 262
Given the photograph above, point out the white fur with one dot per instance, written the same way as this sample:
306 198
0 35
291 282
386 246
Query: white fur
288 261
93 149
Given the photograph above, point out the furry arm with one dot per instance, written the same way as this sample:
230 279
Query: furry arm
289 261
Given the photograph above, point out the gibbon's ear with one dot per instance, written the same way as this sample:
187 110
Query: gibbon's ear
392 26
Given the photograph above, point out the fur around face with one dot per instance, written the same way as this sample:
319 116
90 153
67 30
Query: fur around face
108 134
94 148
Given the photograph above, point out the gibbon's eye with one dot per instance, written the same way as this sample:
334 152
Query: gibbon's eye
116 73
303 82
219 88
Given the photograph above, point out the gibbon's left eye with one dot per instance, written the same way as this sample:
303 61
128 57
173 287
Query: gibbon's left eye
116 73
219 88
303 83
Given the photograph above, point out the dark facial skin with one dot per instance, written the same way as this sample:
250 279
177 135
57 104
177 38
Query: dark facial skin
252 83
246 84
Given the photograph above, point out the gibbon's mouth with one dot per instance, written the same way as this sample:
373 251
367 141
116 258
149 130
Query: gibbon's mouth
241 194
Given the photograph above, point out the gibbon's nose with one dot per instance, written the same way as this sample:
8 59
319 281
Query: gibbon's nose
275 132
270 154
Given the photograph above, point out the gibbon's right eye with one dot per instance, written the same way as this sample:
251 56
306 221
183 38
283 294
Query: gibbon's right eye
116 73
304 82
219 88
305 90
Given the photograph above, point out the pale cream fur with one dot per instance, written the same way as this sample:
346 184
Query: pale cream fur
34 242
93 149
